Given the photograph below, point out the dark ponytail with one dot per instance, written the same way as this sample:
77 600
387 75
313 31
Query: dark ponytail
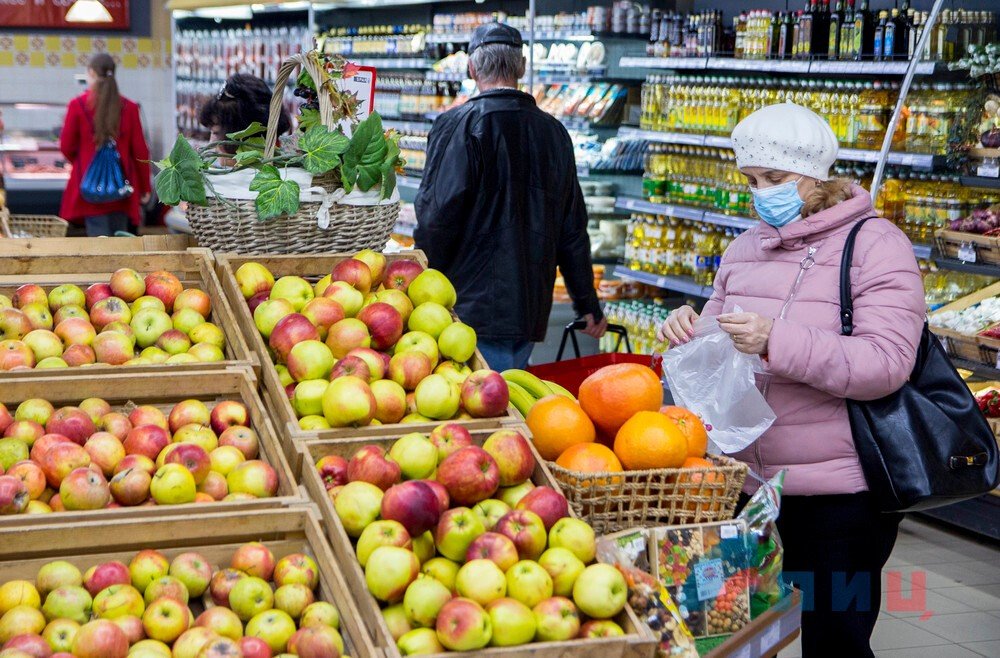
107 101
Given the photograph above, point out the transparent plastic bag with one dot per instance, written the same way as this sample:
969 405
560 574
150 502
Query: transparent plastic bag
712 378
766 550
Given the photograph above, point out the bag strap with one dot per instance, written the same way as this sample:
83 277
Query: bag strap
846 300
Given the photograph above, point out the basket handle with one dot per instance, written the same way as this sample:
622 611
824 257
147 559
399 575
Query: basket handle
579 325
311 66
4 226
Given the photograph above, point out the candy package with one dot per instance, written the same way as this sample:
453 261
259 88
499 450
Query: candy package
629 552
705 568
766 551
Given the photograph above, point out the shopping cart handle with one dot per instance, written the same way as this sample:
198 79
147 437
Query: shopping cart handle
580 325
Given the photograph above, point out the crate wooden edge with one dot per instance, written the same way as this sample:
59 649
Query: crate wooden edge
271 384
969 346
171 532
222 312
742 638
98 246
638 642
289 494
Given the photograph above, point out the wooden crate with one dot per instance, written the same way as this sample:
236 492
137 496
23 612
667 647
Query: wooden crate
986 248
216 536
966 346
192 267
638 643
91 246
313 268
162 390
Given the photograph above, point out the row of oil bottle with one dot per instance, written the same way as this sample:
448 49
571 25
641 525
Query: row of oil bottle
858 111
642 318
668 246
921 203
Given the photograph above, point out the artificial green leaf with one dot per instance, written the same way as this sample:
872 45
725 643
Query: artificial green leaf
388 168
175 184
365 153
305 80
247 157
255 128
321 149
183 155
308 119
275 196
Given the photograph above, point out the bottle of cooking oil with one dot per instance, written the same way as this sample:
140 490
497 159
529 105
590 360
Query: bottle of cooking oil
703 255
670 246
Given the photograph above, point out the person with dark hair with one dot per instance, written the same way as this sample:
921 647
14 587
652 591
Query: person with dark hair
95 117
243 99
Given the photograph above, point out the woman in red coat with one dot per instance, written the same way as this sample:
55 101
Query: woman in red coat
92 118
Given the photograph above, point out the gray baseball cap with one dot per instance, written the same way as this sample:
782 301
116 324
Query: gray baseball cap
495 33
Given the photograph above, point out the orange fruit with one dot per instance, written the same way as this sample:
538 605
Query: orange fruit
558 423
650 440
691 427
591 458
612 395
697 479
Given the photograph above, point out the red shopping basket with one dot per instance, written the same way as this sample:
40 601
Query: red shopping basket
570 373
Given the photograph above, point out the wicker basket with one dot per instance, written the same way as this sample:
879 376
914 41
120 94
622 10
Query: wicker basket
611 502
33 226
232 225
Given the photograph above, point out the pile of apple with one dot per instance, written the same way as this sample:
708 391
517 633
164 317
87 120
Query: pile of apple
90 457
370 342
127 321
464 551
254 608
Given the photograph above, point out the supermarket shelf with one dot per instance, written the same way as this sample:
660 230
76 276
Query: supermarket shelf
446 76
916 160
395 62
540 35
406 126
684 212
776 65
39 183
981 369
682 284
980 515
978 181
408 182
970 268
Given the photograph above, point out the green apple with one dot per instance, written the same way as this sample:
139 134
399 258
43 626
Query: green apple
308 397
423 546
295 289
430 318
313 422
564 567
419 642
396 621
423 600
432 286
148 325
456 529
600 591
457 342
389 571
577 536
441 569
54 575
381 533
293 598
250 596
173 485
490 511
118 601
482 581
415 454
512 495
59 633
437 397
320 613
70 602
513 623
15 450
284 376
357 505
187 319
273 626
528 583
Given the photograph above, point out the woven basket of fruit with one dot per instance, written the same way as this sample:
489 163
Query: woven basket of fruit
656 471
460 540
331 188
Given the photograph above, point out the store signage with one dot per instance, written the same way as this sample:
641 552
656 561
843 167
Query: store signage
359 80
52 14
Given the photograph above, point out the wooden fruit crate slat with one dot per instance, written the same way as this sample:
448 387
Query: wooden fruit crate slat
638 643
193 267
215 535
162 390
39 246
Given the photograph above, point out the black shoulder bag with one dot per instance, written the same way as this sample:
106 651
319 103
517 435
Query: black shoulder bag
927 444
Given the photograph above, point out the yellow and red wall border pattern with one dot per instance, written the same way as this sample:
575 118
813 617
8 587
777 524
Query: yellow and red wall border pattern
73 52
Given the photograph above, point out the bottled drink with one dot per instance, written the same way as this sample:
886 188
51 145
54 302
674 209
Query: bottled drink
864 33
836 20
879 41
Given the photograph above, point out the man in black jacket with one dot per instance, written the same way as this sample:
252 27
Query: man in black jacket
500 208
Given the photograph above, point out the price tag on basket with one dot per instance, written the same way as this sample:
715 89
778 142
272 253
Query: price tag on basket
967 252
362 84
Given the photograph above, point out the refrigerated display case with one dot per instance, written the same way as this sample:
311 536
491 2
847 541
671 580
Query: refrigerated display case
33 169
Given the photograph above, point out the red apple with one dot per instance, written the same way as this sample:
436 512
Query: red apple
14 497
173 342
192 457
332 470
165 287
369 464
14 324
324 313
105 451
354 272
470 475
5 418
115 423
413 504
384 323
188 412
409 369
376 263
100 638
547 503
195 299
28 644
222 583
27 431
72 423
130 487
351 366
78 355
84 489
148 415
444 501
228 413
390 401
449 438
31 475
526 530
258 299
61 459
254 647
254 559
485 394
495 547
96 293
375 361
513 456
242 438
111 309
104 575
147 440
141 462
291 330
346 335
15 354
127 284
400 273
44 442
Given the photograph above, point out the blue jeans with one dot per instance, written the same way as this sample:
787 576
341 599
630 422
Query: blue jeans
106 225
504 355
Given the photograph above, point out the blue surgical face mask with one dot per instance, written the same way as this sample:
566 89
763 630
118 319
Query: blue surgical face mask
778 205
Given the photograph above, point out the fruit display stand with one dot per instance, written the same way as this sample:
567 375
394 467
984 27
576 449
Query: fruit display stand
161 390
765 636
969 346
193 268
312 268
637 643
97 246
216 536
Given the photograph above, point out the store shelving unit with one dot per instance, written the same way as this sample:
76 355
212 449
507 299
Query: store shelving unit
823 67
681 284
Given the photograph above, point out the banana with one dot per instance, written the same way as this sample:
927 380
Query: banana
533 385
520 398
559 390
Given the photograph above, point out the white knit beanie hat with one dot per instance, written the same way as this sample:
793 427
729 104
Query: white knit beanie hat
786 137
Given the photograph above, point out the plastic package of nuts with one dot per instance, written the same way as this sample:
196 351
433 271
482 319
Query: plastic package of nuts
628 550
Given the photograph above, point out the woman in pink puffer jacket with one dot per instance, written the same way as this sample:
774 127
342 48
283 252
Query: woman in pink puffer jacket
784 276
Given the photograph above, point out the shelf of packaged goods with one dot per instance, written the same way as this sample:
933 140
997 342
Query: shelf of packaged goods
406 126
970 268
980 515
402 63
825 67
446 76
923 251
540 35
684 212
979 181
682 284
408 182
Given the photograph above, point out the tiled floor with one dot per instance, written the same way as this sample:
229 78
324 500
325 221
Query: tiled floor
960 617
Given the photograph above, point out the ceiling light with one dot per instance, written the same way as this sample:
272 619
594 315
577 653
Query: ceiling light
88 11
